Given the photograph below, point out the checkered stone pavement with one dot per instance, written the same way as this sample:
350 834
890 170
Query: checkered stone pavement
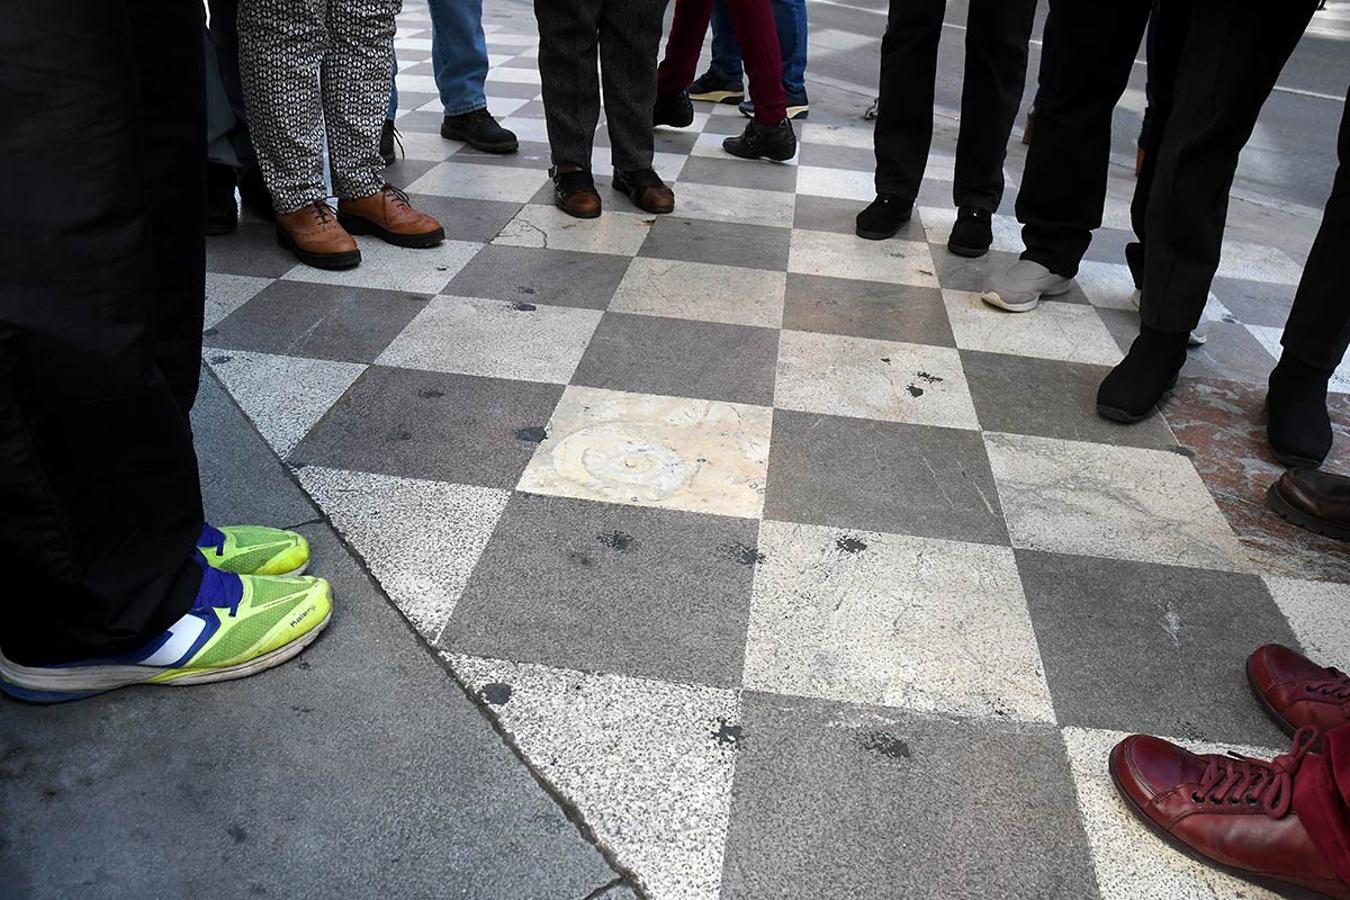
795 568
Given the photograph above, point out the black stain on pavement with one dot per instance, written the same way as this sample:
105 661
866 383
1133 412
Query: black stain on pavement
931 379
616 540
518 306
851 544
430 394
399 434
497 693
886 744
237 832
533 434
741 553
522 289
914 390
582 559
220 358
727 735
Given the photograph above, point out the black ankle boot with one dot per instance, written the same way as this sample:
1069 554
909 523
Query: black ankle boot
1129 393
222 215
1299 428
676 111
775 142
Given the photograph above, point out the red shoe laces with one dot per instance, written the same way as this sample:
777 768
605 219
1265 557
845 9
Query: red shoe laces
1268 785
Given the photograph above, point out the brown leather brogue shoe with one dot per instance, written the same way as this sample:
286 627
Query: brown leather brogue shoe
389 216
1229 812
646 189
316 238
1296 691
1312 499
575 194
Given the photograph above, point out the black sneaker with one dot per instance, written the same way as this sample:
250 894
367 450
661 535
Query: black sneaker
675 111
480 131
712 88
775 142
222 216
1133 388
798 107
883 217
389 136
973 232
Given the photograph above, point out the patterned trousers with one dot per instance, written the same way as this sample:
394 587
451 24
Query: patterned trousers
310 68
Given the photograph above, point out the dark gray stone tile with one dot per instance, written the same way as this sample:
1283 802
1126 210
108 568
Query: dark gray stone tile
608 588
1255 302
681 358
1231 353
532 110
531 155
403 172
735 173
882 476
1134 646
1027 395
866 309
723 243
467 220
856 159
445 427
841 217
1108 245
250 250
557 277
512 89
726 125
835 800
297 318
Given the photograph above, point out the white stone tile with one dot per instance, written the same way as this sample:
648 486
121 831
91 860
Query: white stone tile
494 338
695 200
514 76
495 59
527 129
424 271
226 293
417 84
938 221
1113 502
893 620
509 39
846 256
1316 613
645 450
833 40
1071 332
857 137
701 291
842 184
1132 862
479 182
420 145
548 227
413 43
283 395
872 379
1257 262
421 539
1108 285
648 764
504 107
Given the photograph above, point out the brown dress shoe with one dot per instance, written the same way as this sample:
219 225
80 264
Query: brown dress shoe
646 189
1228 812
389 216
575 194
1296 691
1316 500
316 238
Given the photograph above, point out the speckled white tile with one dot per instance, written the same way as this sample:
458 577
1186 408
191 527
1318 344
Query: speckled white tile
417 84
842 184
391 268
548 227
479 182
527 129
893 620
496 338
872 379
1131 862
644 450
1107 285
1316 613
702 291
283 395
421 539
938 221
423 146
695 200
1113 502
226 293
648 764
846 256
514 75
1070 332
1257 262
836 135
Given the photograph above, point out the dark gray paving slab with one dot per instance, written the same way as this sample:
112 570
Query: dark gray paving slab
841 217
556 277
1231 353
403 172
723 243
1255 302
530 155
251 250
855 159
606 588
866 309
467 220
708 170
834 800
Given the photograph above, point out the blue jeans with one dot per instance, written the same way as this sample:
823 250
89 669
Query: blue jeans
790 18
459 59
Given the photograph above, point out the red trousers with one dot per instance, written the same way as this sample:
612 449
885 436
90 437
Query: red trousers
1322 799
752 20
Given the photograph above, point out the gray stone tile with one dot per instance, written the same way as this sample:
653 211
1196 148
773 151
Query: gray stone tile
432 425
868 309
531 155
607 588
1255 302
467 220
841 217
532 275
1232 353
297 318
957 273
424 121
1161 649
834 800
681 358
251 250
1027 395
724 243
403 172
857 159
1108 244
882 476
706 170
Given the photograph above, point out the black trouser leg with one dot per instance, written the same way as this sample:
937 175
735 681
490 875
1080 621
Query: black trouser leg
568 39
997 36
1234 52
1169 25
904 126
1064 182
1318 329
105 127
630 40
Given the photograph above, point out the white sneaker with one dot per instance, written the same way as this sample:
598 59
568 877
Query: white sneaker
1019 287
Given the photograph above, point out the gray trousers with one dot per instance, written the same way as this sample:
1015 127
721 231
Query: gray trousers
312 68
627 36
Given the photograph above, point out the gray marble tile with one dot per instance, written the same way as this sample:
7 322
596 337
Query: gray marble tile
720 243
866 309
529 275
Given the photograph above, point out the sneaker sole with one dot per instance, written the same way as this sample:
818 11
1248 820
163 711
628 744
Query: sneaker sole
1282 508
47 685
500 147
726 97
1126 418
994 299
791 112
967 252
768 156
358 225
330 261
881 235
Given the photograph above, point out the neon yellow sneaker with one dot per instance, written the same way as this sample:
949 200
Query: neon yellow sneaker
239 626
253 550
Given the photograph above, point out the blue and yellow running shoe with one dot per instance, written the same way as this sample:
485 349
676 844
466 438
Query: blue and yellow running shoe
239 626
253 550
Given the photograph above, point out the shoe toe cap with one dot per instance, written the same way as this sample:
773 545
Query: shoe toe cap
1145 766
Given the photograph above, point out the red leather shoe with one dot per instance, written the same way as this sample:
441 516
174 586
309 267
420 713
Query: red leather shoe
1296 691
1228 812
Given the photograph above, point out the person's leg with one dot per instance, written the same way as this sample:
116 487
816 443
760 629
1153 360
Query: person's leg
1169 24
223 30
790 18
568 32
683 45
98 478
904 128
1322 799
997 36
630 36
355 82
391 112
726 62
459 56
758 40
